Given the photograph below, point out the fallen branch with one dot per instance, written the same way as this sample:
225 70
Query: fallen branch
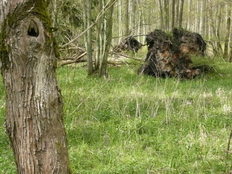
116 63
126 36
126 56
110 61
77 60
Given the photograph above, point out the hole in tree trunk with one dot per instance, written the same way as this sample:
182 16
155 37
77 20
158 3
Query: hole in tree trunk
33 29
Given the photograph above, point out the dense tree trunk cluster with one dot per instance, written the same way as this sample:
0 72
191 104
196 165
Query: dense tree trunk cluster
169 55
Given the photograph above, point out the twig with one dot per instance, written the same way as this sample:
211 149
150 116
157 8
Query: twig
217 72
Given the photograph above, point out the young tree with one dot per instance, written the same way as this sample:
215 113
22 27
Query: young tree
126 22
34 121
228 32
177 11
173 13
167 16
181 13
88 21
104 36
161 14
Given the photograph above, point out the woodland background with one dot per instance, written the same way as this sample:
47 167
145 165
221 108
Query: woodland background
140 124
210 18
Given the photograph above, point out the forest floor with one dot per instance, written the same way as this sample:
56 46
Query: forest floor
140 124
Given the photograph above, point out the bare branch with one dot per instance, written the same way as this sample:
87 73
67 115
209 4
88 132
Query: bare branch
78 59
126 56
94 23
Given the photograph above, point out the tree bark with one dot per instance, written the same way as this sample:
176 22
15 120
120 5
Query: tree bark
88 22
181 13
126 18
34 104
166 10
218 31
120 21
161 15
177 11
204 15
228 33
104 36
173 13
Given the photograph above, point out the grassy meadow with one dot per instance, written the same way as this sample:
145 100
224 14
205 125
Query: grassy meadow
130 124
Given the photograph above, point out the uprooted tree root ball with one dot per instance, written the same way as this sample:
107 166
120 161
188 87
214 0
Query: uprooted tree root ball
169 54
128 44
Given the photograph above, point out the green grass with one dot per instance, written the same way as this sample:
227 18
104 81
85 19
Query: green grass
142 125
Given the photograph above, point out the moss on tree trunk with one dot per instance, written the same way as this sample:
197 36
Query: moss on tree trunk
34 105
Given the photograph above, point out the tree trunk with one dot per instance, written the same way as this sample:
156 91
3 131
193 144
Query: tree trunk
230 55
133 14
228 33
181 13
88 22
218 31
204 15
120 21
104 36
177 11
161 15
173 13
166 10
126 18
34 105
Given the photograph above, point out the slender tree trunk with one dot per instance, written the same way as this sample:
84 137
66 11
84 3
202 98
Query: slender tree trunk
228 33
120 23
161 15
88 22
34 121
207 23
166 9
53 10
173 13
189 16
230 55
142 23
204 15
104 36
177 11
139 21
218 31
134 13
181 13
127 32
